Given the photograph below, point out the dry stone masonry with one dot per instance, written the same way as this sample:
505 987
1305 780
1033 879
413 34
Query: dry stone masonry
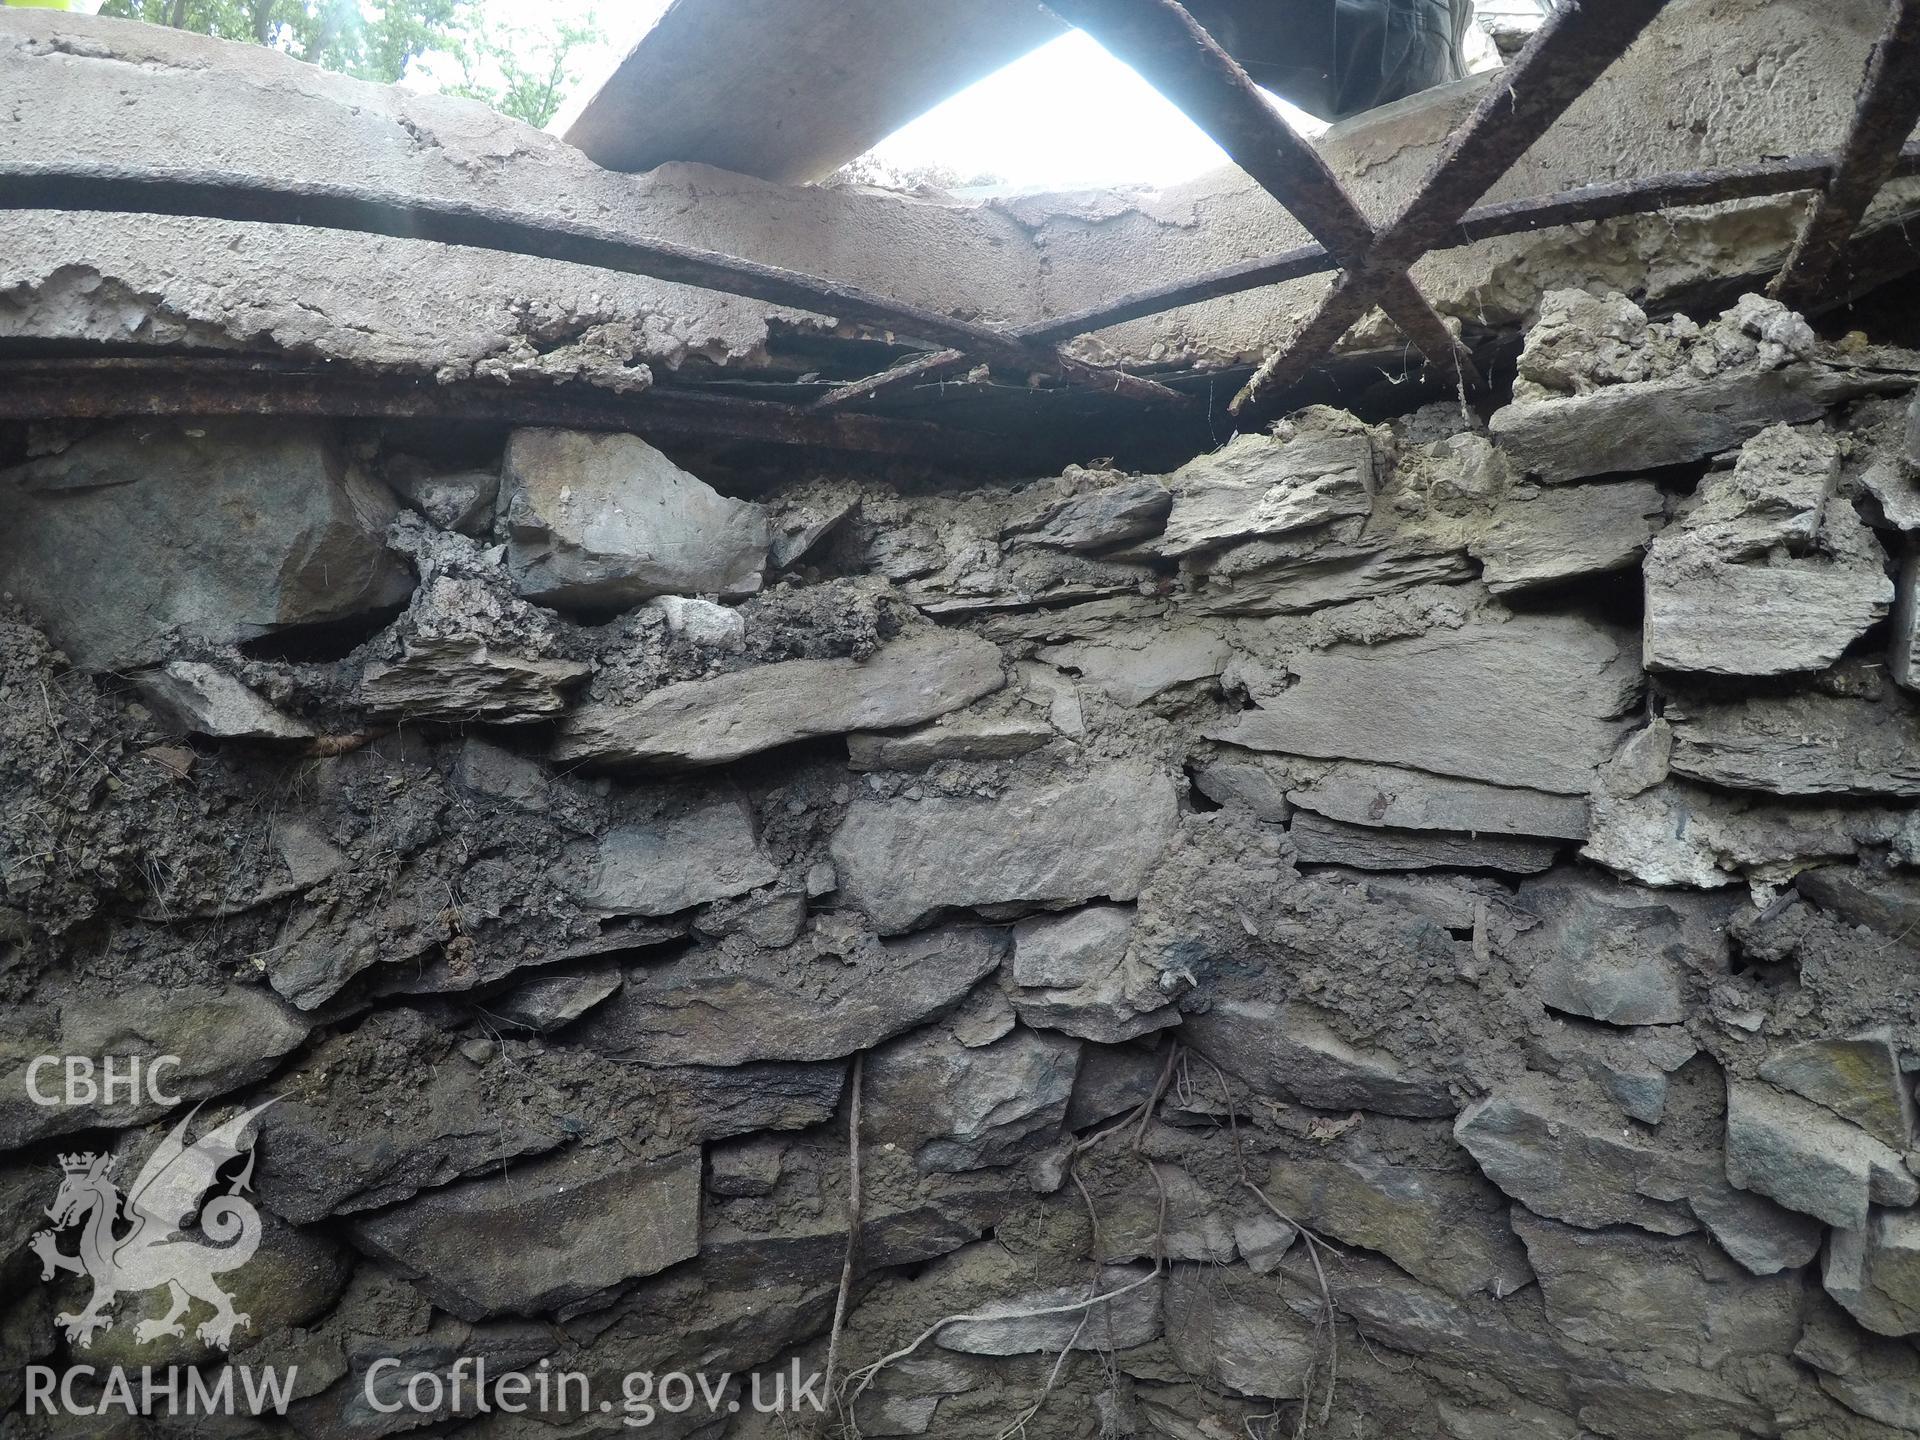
1423 915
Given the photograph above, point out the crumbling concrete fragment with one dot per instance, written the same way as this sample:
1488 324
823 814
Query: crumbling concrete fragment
1603 392
601 522
141 540
710 722
1771 573
1534 701
1038 844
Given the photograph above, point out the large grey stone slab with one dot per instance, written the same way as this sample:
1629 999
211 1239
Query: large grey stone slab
1082 837
1389 795
1547 536
1533 701
1809 1159
709 722
142 539
702 1009
1319 841
550 1234
603 521
706 851
1771 573
1806 744
1292 1050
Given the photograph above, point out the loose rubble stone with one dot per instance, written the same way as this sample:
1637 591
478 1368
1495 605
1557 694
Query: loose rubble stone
1250 783
701 622
1313 569
206 700
1388 795
223 1037
1319 841
710 722
706 852
1131 1318
229 531
322 1157
553 1233
1563 1166
1169 1213
1449 1230
1074 974
1874 1271
1133 666
1771 573
1763 1237
1800 745
1318 467
1871 1376
1857 1077
961 1107
1547 536
701 1010
1291 1050
1809 1159
461 501
1535 701
1617 954
902 860
1213 1331
1106 516
601 522
556 998
1887 903
461 680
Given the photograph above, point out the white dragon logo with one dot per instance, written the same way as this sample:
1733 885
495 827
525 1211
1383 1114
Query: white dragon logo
165 1197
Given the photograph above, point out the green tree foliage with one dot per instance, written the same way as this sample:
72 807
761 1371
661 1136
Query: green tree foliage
519 72
374 41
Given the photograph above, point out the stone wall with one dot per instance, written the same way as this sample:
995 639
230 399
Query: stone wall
1423 916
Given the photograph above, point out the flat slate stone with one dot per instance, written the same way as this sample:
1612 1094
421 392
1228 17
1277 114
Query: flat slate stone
710 722
1858 1077
1545 536
1388 795
1808 1158
1806 744
1874 1271
701 1009
552 1233
206 700
1109 515
1291 1050
1259 485
1319 841
1083 837
706 852
1534 701
468 681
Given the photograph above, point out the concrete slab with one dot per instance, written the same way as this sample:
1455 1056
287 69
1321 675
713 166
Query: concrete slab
790 90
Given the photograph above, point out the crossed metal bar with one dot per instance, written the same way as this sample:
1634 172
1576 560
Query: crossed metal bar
1884 116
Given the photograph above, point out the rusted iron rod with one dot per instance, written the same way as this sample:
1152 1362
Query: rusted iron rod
1884 116
1606 200
1170 50
67 388
450 222
1564 57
